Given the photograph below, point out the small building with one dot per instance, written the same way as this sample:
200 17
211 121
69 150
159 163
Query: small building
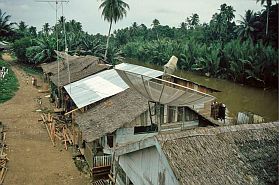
241 154
127 117
112 114
79 67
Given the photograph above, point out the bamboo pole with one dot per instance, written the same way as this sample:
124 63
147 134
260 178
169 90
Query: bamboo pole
49 134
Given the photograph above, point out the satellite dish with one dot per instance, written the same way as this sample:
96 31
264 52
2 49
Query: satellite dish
163 91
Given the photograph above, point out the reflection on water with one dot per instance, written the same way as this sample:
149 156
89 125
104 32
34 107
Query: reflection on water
238 98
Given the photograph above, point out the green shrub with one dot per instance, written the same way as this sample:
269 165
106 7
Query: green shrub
8 85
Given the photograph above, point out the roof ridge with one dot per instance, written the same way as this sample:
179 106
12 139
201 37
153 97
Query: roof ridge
214 131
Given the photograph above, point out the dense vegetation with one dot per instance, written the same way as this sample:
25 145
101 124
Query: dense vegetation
242 53
8 85
245 51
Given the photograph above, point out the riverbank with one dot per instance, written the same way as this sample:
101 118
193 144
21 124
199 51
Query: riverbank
237 97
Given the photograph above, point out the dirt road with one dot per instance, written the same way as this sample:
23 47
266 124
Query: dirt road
33 159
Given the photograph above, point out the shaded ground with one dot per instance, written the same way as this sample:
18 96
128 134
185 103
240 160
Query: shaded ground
33 159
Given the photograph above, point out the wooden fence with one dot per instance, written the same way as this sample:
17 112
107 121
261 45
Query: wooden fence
101 161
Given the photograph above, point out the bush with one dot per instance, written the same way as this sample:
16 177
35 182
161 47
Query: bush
20 47
8 85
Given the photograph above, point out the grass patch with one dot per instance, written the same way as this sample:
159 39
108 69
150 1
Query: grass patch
31 70
9 85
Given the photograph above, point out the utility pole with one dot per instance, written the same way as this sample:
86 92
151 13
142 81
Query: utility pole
57 35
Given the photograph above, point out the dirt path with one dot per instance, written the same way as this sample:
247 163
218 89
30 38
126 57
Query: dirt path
33 159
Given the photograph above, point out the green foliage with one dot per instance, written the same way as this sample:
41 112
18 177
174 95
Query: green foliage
252 62
20 46
243 53
113 11
5 25
9 85
42 50
32 70
114 55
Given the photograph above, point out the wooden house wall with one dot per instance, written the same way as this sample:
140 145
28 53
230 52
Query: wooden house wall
147 167
174 114
190 84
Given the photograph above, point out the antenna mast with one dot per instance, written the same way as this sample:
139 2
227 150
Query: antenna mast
57 36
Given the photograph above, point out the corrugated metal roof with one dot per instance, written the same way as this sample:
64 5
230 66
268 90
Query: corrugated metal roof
139 70
104 84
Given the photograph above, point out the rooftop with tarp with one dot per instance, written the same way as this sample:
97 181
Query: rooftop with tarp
104 84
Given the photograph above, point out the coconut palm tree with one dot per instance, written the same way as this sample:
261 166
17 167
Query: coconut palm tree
248 25
22 26
268 5
5 25
155 24
194 19
32 31
46 28
113 11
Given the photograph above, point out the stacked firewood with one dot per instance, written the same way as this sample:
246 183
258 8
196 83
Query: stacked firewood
3 156
57 130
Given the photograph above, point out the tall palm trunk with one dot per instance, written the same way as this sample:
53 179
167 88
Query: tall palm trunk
267 17
108 40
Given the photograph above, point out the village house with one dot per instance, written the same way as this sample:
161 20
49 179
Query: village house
123 118
79 67
115 115
240 154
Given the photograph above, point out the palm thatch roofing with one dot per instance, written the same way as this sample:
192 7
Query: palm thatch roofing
110 114
242 154
79 67
51 68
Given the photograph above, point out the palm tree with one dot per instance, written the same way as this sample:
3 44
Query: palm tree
268 5
183 25
32 30
5 25
22 26
155 24
46 28
113 10
248 25
43 50
195 19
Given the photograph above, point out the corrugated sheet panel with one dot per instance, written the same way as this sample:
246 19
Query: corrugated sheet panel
104 84
139 70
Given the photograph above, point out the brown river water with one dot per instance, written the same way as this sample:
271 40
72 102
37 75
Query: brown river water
237 97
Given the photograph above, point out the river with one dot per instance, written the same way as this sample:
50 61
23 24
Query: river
237 97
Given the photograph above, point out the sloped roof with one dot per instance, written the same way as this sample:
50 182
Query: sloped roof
51 68
103 84
111 114
242 154
79 67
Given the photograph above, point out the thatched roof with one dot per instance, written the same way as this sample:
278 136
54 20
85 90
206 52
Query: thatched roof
51 68
242 154
111 114
80 67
